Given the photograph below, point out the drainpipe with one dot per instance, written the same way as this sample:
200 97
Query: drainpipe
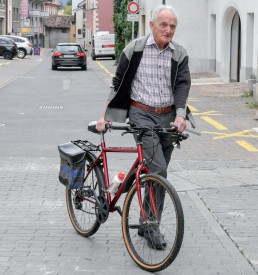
163 2
6 17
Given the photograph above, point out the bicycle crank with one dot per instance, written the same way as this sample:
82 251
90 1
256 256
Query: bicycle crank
101 209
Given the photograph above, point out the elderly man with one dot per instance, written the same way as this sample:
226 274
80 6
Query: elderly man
151 87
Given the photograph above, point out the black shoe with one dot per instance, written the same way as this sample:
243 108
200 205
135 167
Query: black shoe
155 239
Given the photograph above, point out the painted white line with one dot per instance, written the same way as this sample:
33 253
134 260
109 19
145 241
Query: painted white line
66 84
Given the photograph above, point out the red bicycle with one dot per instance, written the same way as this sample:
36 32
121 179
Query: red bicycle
89 205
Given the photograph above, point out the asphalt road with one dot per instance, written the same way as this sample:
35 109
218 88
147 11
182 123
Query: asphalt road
215 175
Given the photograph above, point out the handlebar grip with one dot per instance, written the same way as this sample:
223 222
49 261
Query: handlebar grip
118 126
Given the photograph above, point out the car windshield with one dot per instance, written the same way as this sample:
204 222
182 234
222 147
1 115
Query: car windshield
67 48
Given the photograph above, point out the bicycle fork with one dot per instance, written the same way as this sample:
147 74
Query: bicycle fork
140 168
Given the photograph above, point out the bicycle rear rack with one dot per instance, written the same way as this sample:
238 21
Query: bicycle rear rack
86 145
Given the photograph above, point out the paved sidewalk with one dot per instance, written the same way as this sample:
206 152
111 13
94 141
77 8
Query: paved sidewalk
21 67
37 237
216 181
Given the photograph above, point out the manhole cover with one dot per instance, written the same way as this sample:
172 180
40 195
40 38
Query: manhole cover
51 107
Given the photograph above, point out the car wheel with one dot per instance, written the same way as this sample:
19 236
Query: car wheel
54 67
7 55
21 53
84 67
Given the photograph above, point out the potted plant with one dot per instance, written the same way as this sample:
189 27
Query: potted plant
251 82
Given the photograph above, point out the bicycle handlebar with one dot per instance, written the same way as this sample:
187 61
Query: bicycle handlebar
130 128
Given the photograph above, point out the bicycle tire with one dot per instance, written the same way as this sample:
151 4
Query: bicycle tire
82 215
171 225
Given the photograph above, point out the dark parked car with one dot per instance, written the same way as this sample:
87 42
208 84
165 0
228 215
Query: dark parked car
8 48
69 55
24 45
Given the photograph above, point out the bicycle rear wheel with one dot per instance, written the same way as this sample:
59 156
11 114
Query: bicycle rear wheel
170 223
81 203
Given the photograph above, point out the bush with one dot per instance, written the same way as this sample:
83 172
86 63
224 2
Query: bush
122 28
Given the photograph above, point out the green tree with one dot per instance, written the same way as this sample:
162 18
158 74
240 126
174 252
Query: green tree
68 10
69 3
122 28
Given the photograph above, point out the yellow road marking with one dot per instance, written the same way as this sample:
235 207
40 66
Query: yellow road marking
237 134
214 123
192 108
247 146
105 69
209 113
193 99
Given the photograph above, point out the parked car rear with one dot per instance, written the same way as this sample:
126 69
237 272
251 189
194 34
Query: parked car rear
8 48
69 55
25 47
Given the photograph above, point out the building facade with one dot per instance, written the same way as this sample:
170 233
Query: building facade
51 7
80 21
3 17
99 17
57 30
35 22
25 18
219 35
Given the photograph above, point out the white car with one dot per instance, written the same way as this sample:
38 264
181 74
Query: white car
25 47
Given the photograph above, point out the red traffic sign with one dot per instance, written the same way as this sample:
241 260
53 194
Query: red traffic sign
133 7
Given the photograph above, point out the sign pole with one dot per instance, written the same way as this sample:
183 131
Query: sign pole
132 30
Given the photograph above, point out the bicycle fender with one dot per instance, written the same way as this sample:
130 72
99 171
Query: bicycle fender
99 172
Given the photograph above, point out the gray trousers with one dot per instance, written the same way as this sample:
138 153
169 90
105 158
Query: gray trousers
157 150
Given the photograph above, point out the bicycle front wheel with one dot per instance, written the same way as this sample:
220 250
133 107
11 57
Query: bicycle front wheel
164 222
81 203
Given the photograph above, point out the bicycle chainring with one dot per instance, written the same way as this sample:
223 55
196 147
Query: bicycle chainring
102 209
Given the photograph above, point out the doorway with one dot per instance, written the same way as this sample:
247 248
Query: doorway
235 48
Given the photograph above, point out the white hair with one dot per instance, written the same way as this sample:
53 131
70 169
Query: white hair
160 8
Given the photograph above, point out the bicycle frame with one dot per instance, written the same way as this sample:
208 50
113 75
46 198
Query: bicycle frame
138 165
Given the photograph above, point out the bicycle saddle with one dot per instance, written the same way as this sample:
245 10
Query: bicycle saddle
92 127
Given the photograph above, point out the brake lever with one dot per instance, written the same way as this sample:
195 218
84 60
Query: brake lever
127 132
176 144
186 130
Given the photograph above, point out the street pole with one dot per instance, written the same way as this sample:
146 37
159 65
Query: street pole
132 30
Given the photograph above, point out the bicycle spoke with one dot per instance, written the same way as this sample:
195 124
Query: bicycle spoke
81 204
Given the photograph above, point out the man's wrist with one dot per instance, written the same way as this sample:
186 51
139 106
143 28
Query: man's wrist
181 112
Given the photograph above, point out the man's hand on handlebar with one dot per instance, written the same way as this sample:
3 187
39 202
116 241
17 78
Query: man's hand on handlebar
101 125
180 123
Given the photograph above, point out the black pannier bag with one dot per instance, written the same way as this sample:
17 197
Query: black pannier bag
72 165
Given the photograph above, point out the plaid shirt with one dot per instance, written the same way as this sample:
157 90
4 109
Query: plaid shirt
152 83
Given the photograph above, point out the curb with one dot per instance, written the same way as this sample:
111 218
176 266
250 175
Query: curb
206 81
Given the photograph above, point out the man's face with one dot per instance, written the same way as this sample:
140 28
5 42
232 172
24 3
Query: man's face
163 28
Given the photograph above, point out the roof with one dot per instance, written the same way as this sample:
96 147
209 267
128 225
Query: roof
58 21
